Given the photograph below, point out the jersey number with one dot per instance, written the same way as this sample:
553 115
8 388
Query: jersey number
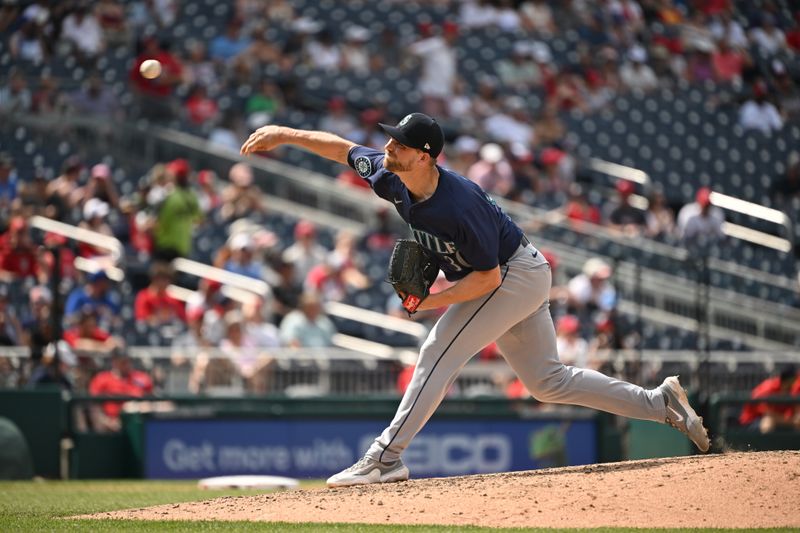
455 261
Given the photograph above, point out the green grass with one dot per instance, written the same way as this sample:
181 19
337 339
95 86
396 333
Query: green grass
40 506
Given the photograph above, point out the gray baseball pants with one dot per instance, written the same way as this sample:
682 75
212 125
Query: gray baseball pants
517 316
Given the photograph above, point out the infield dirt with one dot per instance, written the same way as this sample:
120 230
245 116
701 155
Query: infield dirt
755 489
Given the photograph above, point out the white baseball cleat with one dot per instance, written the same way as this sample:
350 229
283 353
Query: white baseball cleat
680 414
367 471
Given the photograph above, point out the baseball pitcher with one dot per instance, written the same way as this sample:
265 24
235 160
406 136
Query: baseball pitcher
500 293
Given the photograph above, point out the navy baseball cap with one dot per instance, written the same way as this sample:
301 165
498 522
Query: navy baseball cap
419 131
99 275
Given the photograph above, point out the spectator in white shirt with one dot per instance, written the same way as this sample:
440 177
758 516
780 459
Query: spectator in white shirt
700 223
306 252
26 44
337 119
15 96
591 290
323 52
83 31
439 68
636 74
758 113
768 37
355 56
507 18
512 124
492 171
538 17
572 348
519 71
477 14
724 27
307 326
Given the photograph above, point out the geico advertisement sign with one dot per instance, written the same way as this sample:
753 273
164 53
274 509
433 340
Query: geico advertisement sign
456 453
441 454
179 456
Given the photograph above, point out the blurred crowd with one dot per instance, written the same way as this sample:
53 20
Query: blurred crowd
157 224
505 125
514 146
496 137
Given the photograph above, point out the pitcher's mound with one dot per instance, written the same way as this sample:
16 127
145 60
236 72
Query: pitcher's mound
758 489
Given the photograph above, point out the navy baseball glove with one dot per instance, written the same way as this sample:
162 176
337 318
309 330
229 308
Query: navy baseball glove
411 273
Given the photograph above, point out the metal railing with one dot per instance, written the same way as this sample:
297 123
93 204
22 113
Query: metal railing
341 371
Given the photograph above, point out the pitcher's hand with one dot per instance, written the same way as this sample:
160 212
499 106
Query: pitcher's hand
262 140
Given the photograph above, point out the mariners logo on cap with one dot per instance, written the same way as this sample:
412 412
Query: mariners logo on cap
404 121
363 166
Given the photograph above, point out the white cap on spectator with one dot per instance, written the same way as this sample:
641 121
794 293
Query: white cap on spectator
240 241
357 33
95 207
522 48
467 145
41 292
515 103
704 45
520 151
637 54
491 153
597 268
541 52
306 25
243 225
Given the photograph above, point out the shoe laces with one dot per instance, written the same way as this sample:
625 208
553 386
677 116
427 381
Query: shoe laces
676 426
364 461
669 411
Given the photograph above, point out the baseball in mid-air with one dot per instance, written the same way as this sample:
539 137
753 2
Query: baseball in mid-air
150 68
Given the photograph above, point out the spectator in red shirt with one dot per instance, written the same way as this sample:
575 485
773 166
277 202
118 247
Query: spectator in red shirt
201 109
87 335
171 70
404 378
793 34
153 304
18 258
121 380
578 208
340 273
154 94
767 417
515 390
207 195
728 63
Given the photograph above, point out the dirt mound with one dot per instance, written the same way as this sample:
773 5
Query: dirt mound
758 489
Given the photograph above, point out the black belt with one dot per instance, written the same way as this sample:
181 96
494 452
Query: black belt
523 242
